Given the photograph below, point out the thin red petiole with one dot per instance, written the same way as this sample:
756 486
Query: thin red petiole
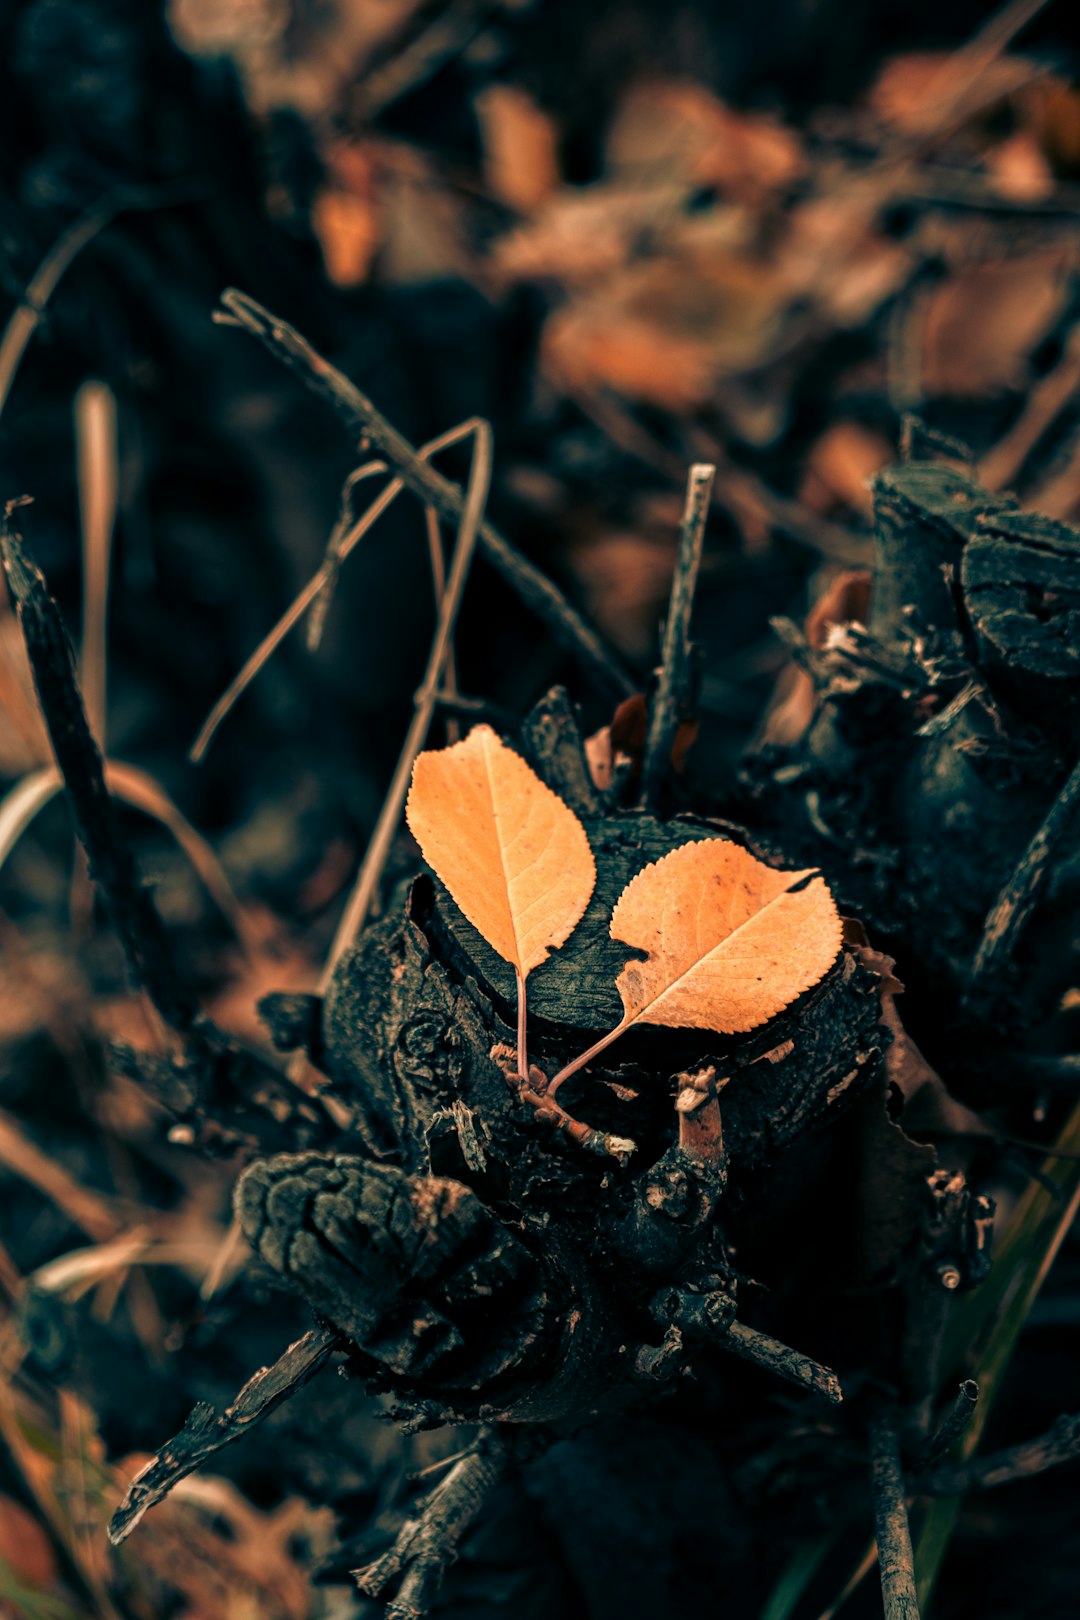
586 1057
522 1053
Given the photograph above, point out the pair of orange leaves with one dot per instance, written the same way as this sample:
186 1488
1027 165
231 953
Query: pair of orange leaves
730 941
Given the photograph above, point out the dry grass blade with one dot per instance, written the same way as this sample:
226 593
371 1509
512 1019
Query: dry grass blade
79 1270
340 543
311 592
378 849
95 444
139 791
45 1479
91 1212
62 255
22 803
450 693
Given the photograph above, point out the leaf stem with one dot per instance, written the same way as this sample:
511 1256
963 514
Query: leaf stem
522 1052
586 1057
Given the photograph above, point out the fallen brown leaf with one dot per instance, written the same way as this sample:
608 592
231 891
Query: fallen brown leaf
840 466
981 325
25 1547
675 127
514 857
729 943
520 146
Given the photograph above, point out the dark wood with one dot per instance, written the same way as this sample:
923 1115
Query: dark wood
207 1431
896 1561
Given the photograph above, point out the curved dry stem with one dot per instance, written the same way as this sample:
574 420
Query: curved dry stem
587 1056
62 255
427 695
292 616
314 587
450 692
133 787
341 542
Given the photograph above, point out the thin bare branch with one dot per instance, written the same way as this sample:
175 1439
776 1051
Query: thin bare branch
352 919
315 585
356 410
672 692
1060 1444
896 1560
207 1431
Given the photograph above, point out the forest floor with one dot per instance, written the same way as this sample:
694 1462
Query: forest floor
634 238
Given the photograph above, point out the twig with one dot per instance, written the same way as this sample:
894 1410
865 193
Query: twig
25 320
1060 1444
206 1432
428 1541
672 692
311 591
737 491
709 1318
1056 1071
357 411
111 864
896 1559
1009 915
952 1427
471 517
950 1233
534 1091
781 1359
342 539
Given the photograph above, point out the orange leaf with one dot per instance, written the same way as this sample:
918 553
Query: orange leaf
512 854
729 943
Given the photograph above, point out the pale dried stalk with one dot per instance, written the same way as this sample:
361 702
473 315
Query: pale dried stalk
450 692
356 910
314 587
669 700
95 453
